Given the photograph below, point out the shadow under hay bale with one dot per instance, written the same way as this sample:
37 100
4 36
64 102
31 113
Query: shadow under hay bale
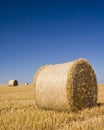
70 86
12 83
100 104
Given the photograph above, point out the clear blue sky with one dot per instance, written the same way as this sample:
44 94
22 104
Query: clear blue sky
38 32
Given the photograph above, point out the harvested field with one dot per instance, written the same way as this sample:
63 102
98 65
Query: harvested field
18 111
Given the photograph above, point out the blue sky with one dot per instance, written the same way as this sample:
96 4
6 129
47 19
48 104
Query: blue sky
38 32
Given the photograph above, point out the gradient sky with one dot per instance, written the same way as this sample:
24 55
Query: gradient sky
38 32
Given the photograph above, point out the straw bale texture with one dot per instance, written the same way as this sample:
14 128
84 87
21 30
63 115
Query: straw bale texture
70 86
13 83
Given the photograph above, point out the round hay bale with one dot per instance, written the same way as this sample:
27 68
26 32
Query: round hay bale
26 83
70 86
13 83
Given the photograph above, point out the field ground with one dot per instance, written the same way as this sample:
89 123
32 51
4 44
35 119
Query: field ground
18 111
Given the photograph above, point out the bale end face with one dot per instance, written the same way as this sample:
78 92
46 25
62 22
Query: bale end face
82 86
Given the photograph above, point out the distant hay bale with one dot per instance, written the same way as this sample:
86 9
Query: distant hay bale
13 83
70 86
26 83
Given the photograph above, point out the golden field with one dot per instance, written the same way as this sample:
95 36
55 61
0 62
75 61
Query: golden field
18 111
